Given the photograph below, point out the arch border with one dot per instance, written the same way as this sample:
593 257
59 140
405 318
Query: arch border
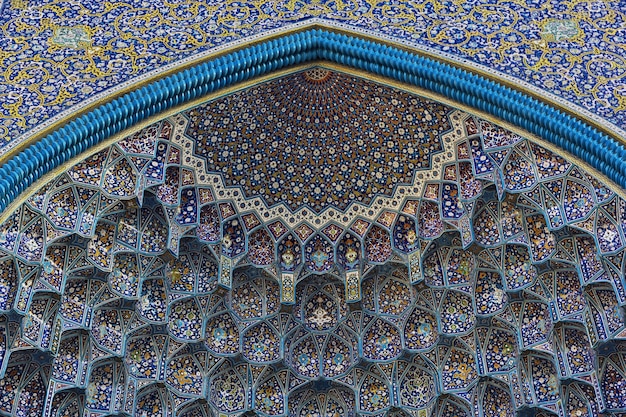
581 140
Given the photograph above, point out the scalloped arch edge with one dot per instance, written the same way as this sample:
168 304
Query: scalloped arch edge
581 140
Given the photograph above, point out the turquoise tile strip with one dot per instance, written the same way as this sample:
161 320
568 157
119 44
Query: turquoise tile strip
579 139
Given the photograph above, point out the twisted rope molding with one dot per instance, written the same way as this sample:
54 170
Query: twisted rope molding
576 137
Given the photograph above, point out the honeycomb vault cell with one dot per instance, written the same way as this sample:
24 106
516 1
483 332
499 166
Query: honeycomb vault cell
316 245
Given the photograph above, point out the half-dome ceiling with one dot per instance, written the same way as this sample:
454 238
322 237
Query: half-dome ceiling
318 139
173 273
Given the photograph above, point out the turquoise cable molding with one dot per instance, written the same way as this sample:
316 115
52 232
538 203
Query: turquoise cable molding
581 140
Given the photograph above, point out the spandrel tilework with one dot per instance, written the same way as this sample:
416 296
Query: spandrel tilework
152 279
57 55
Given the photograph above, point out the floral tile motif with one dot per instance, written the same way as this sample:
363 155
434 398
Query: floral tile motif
318 144
573 51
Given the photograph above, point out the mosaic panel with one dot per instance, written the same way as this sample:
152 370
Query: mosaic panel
573 50
319 144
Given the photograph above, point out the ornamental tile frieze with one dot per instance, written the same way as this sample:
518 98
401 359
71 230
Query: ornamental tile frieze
57 56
